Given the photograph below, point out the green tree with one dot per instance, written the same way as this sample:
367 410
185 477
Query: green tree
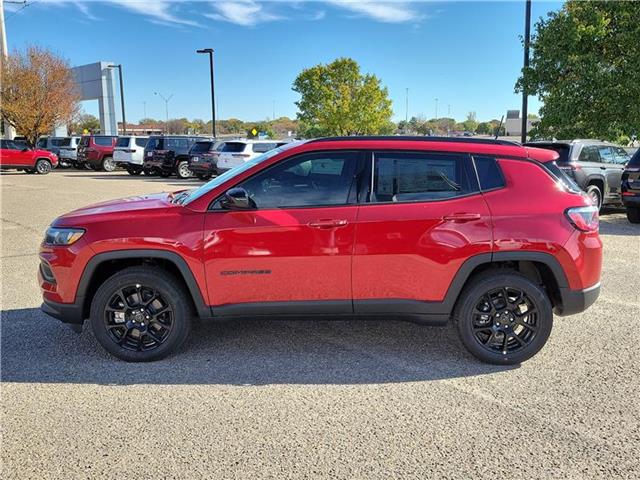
84 122
336 99
585 69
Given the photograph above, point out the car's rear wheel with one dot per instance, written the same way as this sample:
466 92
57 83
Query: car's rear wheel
503 317
43 166
595 195
108 165
141 314
183 170
633 214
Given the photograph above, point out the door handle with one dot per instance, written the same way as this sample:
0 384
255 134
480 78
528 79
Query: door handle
461 217
328 223
603 168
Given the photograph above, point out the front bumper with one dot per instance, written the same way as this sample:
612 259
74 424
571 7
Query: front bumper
576 301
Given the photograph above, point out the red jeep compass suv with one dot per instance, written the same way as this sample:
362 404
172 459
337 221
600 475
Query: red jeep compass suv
489 234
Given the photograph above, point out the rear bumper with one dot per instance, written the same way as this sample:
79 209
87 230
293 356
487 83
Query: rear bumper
576 301
203 167
65 312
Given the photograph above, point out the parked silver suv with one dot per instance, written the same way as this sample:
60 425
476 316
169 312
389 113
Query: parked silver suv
595 165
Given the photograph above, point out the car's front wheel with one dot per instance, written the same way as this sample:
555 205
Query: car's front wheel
503 317
43 166
633 214
141 314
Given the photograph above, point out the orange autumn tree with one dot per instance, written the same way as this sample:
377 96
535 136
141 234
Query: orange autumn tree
37 92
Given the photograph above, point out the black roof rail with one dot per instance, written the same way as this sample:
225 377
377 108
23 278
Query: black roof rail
415 138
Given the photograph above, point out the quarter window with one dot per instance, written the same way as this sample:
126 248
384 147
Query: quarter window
489 173
307 180
415 177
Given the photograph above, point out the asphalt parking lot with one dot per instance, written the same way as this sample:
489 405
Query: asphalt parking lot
299 399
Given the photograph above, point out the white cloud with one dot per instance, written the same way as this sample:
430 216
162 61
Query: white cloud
388 12
246 13
158 10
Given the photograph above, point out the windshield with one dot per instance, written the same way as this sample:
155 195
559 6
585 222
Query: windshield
191 195
232 147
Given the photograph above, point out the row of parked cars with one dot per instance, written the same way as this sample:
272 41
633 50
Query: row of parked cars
162 155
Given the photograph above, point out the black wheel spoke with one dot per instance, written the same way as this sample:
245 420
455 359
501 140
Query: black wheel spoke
526 325
133 307
505 342
518 339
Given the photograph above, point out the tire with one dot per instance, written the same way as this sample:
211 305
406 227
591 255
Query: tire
43 166
147 172
134 171
633 214
163 333
203 176
182 170
108 165
527 321
595 195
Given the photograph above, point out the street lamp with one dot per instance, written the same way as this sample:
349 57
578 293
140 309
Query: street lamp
124 120
166 108
213 101
527 40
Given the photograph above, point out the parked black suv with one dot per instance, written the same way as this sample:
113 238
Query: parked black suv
596 166
630 188
203 159
166 155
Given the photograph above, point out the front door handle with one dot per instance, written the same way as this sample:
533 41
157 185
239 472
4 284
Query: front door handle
328 223
462 217
603 168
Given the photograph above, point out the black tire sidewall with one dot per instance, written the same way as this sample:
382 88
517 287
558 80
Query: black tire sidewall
168 286
180 164
40 162
594 188
488 281
633 214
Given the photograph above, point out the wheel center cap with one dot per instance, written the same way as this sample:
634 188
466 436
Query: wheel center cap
505 318
137 316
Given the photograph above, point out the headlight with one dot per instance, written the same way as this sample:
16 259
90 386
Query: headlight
62 236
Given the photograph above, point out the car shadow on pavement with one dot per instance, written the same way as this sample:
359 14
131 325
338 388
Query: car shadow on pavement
39 349
613 221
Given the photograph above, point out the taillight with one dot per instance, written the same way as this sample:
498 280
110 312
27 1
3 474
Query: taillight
585 219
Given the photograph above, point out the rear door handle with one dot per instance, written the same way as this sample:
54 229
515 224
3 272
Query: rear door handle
603 168
462 217
328 223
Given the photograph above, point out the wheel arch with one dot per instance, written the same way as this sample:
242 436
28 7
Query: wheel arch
103 265
542 268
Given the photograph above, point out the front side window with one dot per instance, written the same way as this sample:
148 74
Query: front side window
314 179
415 177
621 156
606 154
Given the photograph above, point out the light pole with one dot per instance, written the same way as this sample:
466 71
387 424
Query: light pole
124 119
213 95
527 40
166 108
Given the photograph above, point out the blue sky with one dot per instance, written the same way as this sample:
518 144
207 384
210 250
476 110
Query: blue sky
466 54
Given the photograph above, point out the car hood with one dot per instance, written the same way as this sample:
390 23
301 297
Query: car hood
122 205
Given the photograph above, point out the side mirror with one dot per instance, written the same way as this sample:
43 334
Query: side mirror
237 199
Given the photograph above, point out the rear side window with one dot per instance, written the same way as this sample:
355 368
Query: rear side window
414 177
176 144
201 147
103 141
263 147
57 142
489 173
141 142
123 142
589 153
232 147
65 142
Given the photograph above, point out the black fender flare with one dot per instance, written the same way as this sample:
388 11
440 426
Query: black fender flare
203 310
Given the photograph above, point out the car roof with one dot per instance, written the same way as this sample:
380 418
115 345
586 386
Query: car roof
577 141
